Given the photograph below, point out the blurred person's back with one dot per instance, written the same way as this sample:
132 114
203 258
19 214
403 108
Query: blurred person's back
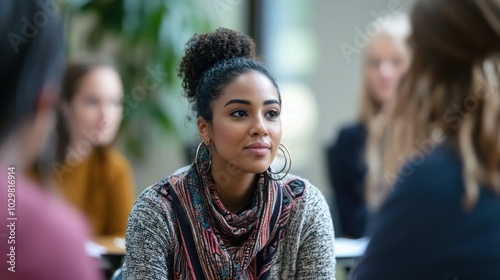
40 236
437 153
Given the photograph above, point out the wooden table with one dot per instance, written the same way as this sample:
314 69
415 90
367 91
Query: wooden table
114 245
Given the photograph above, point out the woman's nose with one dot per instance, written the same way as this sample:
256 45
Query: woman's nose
106 113
258 127
387 69
103 111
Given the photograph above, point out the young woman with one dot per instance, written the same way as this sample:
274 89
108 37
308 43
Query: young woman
92 175
385 60
41 237
441 153
230 216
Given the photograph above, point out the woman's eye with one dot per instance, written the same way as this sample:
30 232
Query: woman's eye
118 103
272 114
91 102
238 113
375 63
397 62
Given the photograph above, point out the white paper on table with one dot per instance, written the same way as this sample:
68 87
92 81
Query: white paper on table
94 250
350 248
119 242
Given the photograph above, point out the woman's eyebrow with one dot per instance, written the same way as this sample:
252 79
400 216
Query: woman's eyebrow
247 102
271 101
241 101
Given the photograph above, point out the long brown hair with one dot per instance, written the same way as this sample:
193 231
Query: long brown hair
451 91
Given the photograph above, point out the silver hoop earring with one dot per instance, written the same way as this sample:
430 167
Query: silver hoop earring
287 166
198 155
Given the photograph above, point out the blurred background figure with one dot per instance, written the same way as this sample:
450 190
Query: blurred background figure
92 175
40 236
385 60
439 145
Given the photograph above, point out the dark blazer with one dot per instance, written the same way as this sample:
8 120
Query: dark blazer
347 168
423 232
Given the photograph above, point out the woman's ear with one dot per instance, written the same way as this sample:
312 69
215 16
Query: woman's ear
204 130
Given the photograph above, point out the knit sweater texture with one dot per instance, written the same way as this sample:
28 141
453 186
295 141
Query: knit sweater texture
307 251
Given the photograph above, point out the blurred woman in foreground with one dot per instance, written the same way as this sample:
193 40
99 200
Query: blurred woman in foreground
441 151
40 236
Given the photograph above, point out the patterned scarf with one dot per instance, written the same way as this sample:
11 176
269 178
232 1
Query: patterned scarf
216 244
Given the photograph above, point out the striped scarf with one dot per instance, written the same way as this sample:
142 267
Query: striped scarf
216 244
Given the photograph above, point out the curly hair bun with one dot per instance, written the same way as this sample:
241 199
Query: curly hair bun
204 51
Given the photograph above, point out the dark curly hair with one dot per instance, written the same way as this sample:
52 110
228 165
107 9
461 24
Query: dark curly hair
211 62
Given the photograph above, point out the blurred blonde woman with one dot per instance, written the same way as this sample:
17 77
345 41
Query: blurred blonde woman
441 152
384 61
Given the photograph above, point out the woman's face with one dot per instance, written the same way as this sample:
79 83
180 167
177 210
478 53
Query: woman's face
386 63
95 112
245 132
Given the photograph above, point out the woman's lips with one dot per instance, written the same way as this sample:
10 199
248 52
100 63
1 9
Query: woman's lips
259 149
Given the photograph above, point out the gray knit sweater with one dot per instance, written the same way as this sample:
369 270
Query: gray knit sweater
306 252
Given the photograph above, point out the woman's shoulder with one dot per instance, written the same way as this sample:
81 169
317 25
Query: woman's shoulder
153 204
300 188
112 156
60 230
435 172
156 193
159 192
115 165
310 208
152 212
353 130
353 136
432 163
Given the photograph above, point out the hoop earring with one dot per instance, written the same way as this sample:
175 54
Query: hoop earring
197 155
288 162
